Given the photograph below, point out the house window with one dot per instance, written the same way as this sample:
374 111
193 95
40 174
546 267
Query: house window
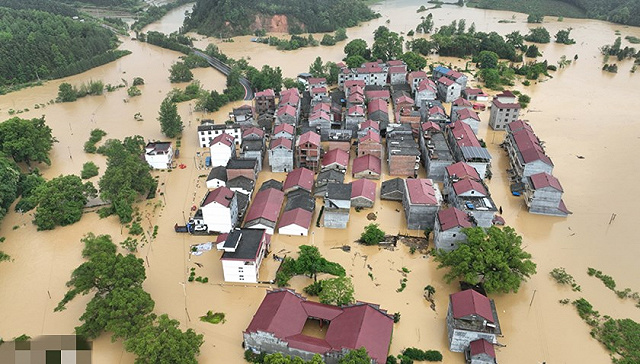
241 278
454 235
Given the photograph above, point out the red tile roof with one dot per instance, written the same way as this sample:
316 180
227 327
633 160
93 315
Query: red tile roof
319 90
466 185
356 89
542 180
464 135
430 125
397 69
506 93
291 97
367 162
284 314
421 191
377 94
396 62
481 346
518 125
349 83
378 105
322 106
297 216
404 99
355 109
284 127
370 124
286 109
335 156
528 144
284 142
436 110
454 74
461 102
462 171
317 80
223 138
319 115
301 177
426 84
470 302
475 91
253 130
266 93
266 204
309 137
446 81
221 195
417 74
466 114
451 218
363 188
503 105
355 98
371 136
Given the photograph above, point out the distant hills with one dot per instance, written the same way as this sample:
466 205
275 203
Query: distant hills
238 17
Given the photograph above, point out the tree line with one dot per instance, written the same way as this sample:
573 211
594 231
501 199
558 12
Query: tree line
38 45
236 17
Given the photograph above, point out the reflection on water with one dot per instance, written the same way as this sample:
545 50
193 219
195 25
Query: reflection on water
580 111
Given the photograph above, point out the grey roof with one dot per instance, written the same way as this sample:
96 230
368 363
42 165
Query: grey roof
244 163
248 245
336 135
241 182
272 183
207 126
329 175
338 191
300 199
392 187
219 172
243 203
470 153
256 145
441 148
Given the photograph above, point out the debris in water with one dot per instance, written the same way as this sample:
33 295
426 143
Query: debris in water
372 216
580 156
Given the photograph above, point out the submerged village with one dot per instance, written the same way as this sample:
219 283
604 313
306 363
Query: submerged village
378 211
340 149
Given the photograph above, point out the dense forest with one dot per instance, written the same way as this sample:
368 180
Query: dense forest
39 45
50 6
236 17
617 11
120 3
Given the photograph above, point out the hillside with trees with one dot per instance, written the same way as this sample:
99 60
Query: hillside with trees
617 11
36 45
238 17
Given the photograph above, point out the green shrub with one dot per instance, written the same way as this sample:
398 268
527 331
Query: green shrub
136 229
372 235
421 355
313 289
89 170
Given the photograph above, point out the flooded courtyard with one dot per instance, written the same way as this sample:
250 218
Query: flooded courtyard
581 111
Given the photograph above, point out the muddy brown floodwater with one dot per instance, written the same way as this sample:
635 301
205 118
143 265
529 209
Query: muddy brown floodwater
580 111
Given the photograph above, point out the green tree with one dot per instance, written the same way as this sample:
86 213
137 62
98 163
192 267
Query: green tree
26 140
164 342
328 40
372 235
487 59
340 34
562 36
89 169
414 61
532 51
67 93
170 121
515 39
355 61
138 81
317 68
337 291
26 188
491 77
493 257
359 356
426 26
524 100
61 201
535 18
387 45
357 47
421 46
538 35
180 72
9 184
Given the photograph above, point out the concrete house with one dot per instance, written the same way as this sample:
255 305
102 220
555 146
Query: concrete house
337 139
457 77
287 131
253 145
370 144
271 183
222 149
265 102
318 93
290 97
471 316
207 131
300 199
504 110
356 97
480 352
299 178
217 177
447 231
439 71
421 201
243 252
414 78
316 82
475 94
265 121
281 155
448 90
392 189
410 117
242 167
363 193
320 120
457 172
371 95
468 117
337 204
366 166
403 155
403 102
436 114
219 210
467 148
354 117
307 153
473 198
278 327
526 154
324 178
459 104
159 155
426 91
265 210
378 110
286 114
336 159
397 75
241 184
435 152
295 222
242 115
543 195
369 125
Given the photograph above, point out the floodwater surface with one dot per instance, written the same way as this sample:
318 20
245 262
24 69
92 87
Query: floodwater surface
581 111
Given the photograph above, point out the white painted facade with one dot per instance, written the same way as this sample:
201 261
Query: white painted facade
294 230
241 271
221 153
220 218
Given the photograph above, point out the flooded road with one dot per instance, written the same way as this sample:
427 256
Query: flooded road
580 111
